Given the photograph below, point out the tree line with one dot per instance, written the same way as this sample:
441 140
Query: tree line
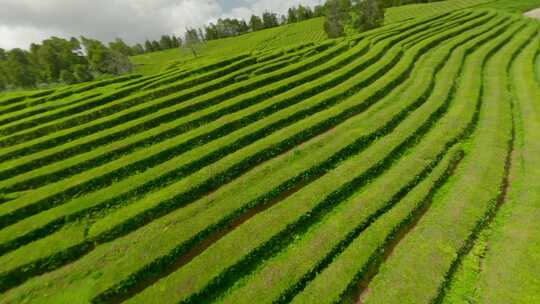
230 27
361 15
58 60
75 60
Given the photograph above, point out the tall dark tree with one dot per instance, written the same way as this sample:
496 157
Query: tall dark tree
42 72
201 35
19 69
292 15
318 11
105 60
165 42
57 54
211 32
243 27
192 40
255 23
333 24
370 14
116 63
270 20
137 49
304 13
3 81
346 9
156 46
283 20
176 41
148 47
3 74
97 54
120 46
225 28
66 76
83 73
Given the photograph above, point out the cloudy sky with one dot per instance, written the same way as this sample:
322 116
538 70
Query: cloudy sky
26 21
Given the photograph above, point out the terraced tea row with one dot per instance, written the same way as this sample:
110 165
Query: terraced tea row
368 164
285 121
455 220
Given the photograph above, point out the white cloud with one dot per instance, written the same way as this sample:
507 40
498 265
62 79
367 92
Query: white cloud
26 21
257 7
12 37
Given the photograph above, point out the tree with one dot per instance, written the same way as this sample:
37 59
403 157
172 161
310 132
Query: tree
120 46
292 15
105 60
333 25
269 20
156 46
176 41
371 14
3 75
19 69
319 11
304 13
66 76
97 54
179 42
224 28
201 35
165 42
57 54
42 72
192 40
243 27
211 32
83 73
137 49
255 23
116 63
283 20
148 48
346 7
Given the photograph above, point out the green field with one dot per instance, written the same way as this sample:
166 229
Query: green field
268 40
398 165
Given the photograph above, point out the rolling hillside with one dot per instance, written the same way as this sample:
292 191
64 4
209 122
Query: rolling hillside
399 165
305 32
260 42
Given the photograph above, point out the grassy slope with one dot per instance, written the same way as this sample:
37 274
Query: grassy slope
291 34
512 6
424 257
261 41
406 12
503 266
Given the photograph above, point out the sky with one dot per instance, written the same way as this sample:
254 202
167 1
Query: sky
25 21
